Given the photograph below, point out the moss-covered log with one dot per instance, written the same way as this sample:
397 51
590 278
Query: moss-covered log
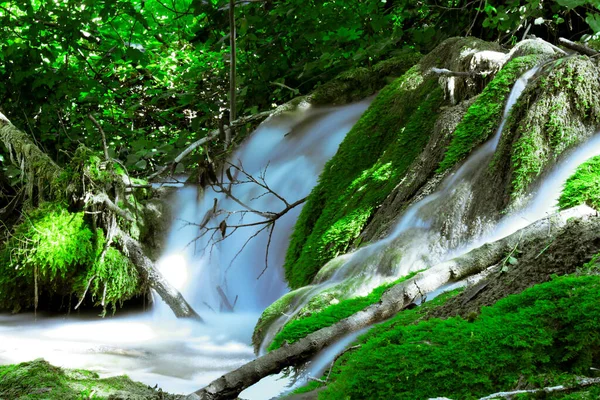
392 302
39 170
79 257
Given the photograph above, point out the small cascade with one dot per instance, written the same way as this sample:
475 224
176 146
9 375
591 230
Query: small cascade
420 238
289 151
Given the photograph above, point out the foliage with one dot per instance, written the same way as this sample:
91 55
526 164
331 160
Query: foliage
53 251
299 328
583 187
38 380
542 334
369 163
556 113
484 115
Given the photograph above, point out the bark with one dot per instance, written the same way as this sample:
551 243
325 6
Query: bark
580 48
232 72
132 249
41 171
393 300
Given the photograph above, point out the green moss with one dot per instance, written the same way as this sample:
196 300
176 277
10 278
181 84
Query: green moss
583 187
109 281
280 307
56 252
540 337
558 113
370 162
38 380
484 115
299 328
404 318
362 82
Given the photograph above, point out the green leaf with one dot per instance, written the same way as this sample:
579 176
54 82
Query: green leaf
593 21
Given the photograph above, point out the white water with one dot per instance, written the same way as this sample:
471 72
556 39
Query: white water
417 241
183 356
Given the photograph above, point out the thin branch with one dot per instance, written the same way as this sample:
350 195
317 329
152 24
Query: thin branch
106 155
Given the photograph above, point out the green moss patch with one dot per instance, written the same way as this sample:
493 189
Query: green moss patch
540 337
368 165
362 82
299 328
54 252
583 187
559 112
38 380
484 115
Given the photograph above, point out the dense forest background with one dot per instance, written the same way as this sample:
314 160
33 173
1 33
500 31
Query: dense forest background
155 74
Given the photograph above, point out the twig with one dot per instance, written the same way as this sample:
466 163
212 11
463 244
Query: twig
581 382
91 117
580 48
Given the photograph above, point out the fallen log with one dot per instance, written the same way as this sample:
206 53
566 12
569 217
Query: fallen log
393 300
580 48
41 171
174 299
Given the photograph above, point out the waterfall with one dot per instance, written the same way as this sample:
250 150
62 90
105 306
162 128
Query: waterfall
417 241
182 356
290 151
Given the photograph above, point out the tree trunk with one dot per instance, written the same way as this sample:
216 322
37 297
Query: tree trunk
41 171
132 249
232 72
393 300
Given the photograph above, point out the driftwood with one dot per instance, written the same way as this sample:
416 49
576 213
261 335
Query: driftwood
581 383
393 300
447 72
580 48
224 300
41 170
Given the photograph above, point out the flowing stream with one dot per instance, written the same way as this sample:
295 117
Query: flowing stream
289 152
153 347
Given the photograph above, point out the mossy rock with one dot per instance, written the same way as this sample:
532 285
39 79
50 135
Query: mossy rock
583 187
53 253
544 336
556 113
372 160
362 82
38 380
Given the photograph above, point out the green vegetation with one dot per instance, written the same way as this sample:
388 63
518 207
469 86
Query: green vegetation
559 112
484 115
583 187
540 337
362 82
38 380
55 252
404 318
299 328
369 163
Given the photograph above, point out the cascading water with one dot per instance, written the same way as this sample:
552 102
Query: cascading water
182 356
417 240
